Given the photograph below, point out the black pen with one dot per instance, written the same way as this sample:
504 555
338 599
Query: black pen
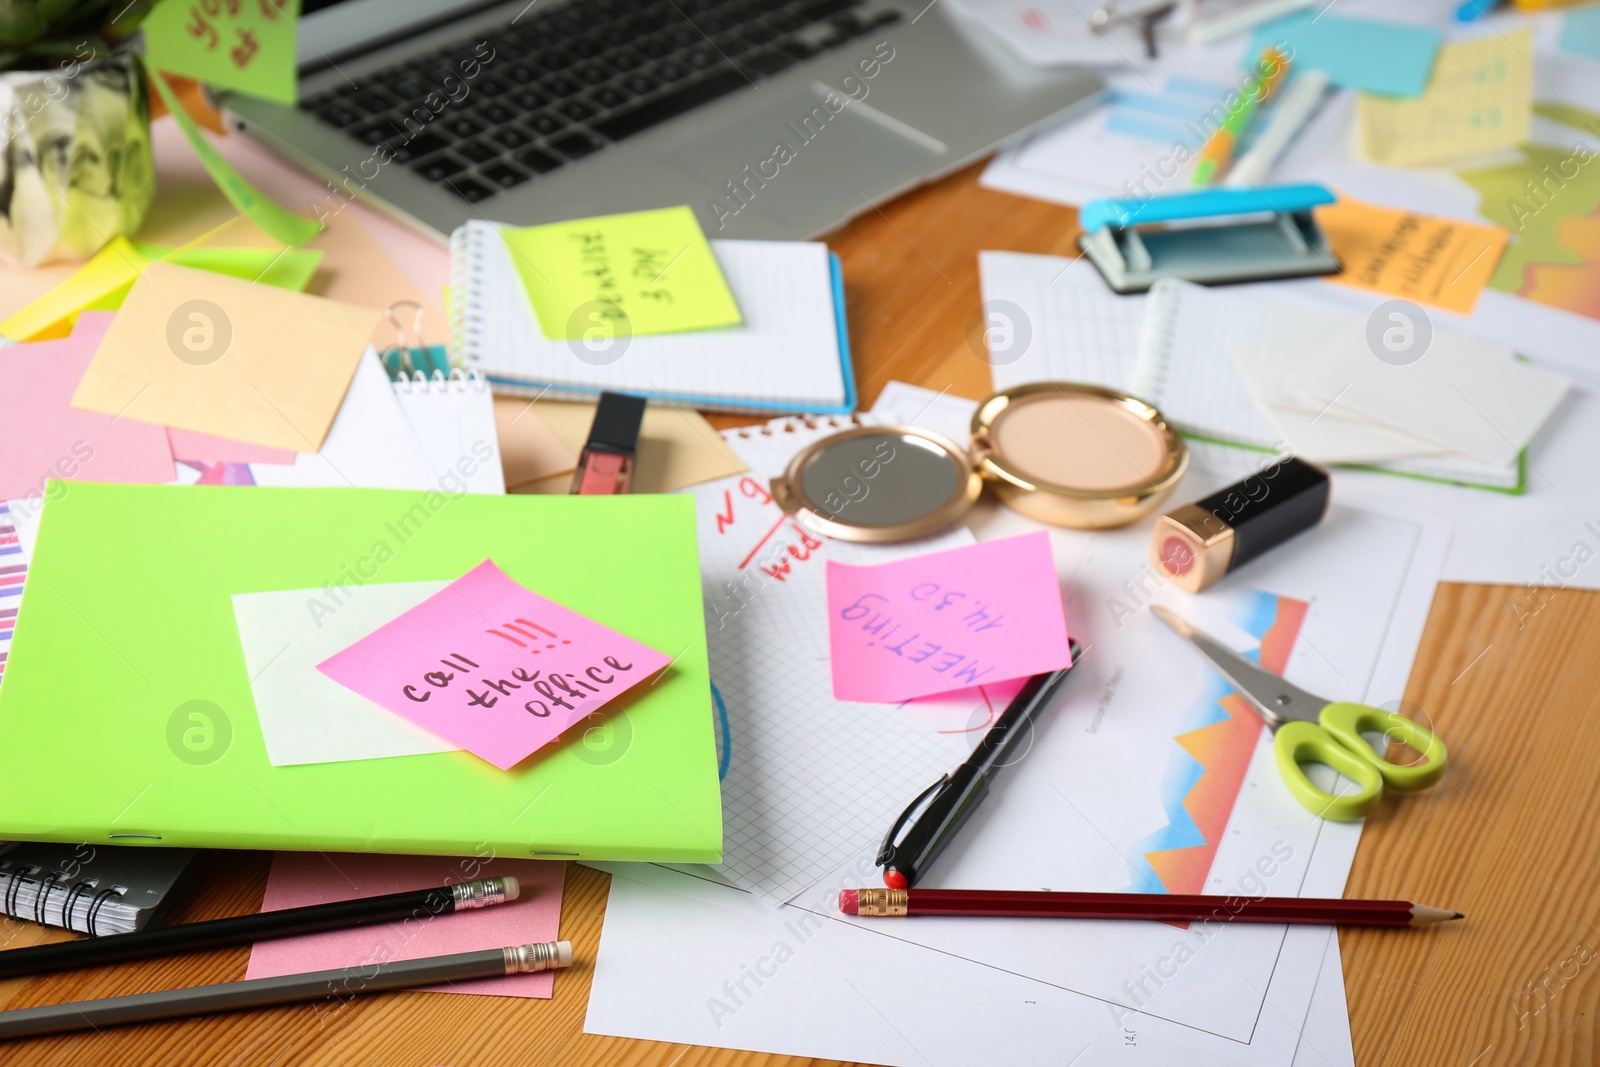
939 811
244 929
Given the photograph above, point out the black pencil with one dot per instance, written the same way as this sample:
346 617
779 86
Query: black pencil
243 929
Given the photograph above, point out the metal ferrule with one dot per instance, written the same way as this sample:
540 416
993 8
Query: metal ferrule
479 894
527 959
881 902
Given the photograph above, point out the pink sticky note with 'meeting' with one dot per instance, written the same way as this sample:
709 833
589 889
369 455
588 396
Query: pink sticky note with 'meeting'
946 621
299 879
492 666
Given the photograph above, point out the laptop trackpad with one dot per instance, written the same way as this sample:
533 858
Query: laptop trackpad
804 159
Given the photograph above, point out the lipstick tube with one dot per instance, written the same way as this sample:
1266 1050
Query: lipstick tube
605 468
1198 543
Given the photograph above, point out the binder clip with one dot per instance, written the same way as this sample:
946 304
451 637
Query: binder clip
410 357
1210 236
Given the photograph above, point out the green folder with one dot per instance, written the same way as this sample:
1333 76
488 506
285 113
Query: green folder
126 621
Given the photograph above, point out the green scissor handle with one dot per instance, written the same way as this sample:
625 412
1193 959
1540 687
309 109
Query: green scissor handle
1337 743
1348 722
1298 743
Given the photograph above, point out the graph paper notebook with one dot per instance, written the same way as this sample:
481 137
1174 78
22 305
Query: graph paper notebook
1187 368
792 353
807 781
129 681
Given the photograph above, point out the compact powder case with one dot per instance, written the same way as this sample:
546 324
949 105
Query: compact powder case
1061 452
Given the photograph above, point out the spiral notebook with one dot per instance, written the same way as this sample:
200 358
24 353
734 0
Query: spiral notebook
791 353
1186 367
93 889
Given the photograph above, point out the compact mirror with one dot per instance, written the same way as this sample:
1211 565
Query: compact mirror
878 484
1066 453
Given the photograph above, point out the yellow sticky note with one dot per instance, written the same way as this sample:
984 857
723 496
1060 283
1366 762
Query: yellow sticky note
103 282
1479 99
638 273
1438 261
223 356
245 45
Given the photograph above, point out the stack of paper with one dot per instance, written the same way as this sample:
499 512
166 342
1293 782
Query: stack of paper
1388 388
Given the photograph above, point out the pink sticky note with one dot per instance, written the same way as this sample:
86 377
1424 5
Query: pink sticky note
302 878
493 667
204 448
945 621
43 436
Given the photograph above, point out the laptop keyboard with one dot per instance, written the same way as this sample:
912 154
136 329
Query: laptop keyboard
564 83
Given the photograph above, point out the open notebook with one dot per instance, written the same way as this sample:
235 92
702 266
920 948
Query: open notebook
1188 365
791 354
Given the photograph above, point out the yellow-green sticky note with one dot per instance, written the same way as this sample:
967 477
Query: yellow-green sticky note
637 273
277 222
244 45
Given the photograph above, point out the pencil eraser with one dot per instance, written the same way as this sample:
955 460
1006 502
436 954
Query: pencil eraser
850 901
563 953
513 888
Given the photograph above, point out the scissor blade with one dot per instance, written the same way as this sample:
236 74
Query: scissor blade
1273 698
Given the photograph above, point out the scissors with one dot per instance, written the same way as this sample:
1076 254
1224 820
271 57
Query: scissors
1310 729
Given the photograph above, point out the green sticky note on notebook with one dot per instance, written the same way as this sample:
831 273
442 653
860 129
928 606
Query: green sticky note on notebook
244 45
623 275
128 679
276 221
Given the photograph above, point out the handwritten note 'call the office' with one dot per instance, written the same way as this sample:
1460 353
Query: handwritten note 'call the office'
945 621
492 666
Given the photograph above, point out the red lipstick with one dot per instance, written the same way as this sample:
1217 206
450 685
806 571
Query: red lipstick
605 468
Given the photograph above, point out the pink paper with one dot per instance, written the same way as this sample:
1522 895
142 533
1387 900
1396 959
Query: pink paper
970 616
302 878
204 448
43 436
492 667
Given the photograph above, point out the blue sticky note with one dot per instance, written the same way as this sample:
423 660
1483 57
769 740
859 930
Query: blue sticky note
1580 31
1365 54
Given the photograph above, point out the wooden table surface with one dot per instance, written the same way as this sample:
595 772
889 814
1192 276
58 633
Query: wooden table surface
1510 677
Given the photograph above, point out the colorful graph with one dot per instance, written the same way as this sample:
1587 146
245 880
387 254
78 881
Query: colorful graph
1203 779
1550 201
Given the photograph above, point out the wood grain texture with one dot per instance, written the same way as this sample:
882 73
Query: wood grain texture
1510 838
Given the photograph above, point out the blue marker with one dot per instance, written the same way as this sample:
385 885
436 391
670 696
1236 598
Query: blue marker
1473 8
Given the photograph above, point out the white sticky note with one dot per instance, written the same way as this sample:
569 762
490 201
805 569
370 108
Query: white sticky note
306 717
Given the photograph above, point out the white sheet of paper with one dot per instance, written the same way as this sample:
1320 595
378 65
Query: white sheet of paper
370 444
1326 435
1465 392
689 961
307 717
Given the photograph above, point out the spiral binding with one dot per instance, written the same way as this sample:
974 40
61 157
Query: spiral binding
458 380
17 880
798 424
1156 340
466 278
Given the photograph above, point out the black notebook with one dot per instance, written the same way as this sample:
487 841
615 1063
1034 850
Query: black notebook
93 889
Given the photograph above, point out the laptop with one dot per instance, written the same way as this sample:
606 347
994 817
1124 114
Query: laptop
774 120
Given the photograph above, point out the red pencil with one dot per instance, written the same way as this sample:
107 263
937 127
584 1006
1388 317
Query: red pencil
1163 907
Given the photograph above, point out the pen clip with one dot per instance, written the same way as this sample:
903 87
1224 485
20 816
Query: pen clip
886 850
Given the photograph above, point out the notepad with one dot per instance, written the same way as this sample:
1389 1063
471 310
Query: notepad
130 634
1058 320
1187 368
791 354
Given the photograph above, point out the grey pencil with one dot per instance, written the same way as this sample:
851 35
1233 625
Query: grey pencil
288 989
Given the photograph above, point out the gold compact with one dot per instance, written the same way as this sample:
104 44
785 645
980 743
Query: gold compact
1060 452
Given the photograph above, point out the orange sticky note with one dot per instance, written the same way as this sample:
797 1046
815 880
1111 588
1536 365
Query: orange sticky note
1432 260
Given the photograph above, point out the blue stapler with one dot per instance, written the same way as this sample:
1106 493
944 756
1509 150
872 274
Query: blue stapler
1210 236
